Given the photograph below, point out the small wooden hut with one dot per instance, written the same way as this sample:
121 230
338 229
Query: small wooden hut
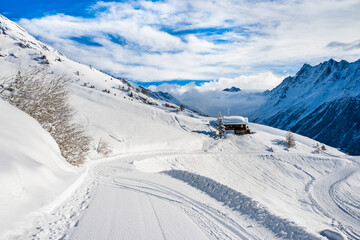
238 124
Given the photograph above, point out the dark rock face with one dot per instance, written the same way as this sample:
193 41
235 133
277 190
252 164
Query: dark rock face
232 89
336 124
321 102
165 96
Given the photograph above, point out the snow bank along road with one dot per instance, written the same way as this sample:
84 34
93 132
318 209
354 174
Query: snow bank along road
119 202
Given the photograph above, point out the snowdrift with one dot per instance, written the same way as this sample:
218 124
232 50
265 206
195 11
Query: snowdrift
32 171
282 228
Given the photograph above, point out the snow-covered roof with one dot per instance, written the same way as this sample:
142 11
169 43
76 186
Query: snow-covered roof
235 120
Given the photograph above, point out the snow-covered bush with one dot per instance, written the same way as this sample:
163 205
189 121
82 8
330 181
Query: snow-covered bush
45 98
103 147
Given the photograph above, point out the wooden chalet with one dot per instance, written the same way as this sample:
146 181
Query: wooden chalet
238 124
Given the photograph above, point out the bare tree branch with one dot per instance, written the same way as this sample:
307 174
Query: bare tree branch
45 98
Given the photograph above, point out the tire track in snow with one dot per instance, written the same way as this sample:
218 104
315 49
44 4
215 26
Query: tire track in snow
211 212
323 196
282 228
157 218
342 202
189 204
321 207
181 126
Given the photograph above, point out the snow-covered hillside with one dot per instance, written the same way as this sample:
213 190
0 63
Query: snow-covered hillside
21 51
321 102
241 187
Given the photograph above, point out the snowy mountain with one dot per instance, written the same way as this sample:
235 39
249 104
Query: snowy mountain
21 51
165 96
168 177
321 102
232 89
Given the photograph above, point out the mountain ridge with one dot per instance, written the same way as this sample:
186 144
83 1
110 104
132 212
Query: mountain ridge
19 51
232 89
303 104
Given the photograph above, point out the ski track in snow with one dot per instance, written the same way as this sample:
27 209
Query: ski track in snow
324 196
203 213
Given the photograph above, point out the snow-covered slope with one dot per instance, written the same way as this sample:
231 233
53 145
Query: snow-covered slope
131 126
321 102
280 179
21 51
112 109
32 171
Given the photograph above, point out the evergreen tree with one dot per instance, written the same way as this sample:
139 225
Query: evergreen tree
182 107
221 127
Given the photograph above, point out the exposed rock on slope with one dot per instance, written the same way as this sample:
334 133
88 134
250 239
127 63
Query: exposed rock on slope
232 89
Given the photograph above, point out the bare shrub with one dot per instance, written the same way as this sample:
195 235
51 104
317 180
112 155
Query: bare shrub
146 92
169 106
45 98
290 139
103 147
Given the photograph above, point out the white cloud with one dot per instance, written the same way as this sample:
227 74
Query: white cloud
219 39
261 81
209 97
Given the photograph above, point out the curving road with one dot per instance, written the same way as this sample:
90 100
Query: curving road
324 194
129 204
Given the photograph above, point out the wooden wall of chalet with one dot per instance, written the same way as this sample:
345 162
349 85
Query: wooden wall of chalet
239 129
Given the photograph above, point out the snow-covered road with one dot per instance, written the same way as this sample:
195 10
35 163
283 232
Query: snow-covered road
325 194
129 209
119 202
129 204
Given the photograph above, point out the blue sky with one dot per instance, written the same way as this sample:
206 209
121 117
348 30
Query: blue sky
248 44
39 8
